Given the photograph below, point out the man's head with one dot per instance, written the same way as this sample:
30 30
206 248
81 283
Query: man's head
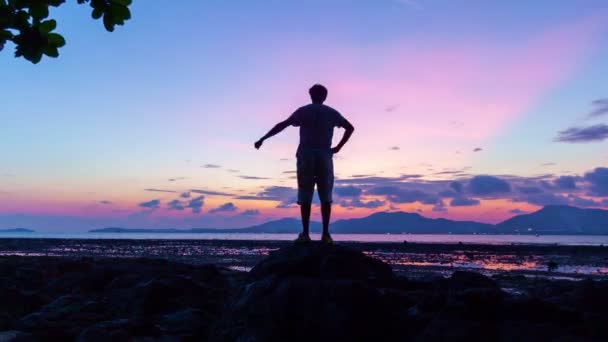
318 93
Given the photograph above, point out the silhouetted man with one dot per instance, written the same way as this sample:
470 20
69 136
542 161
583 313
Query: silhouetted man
314 155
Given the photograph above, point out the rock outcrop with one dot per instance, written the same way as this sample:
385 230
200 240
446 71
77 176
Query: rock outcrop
308 292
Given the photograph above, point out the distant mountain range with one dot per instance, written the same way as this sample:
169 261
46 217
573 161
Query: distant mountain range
558 219
549 220
16 230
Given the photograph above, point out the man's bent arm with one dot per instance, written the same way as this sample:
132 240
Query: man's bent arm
349 129
274 131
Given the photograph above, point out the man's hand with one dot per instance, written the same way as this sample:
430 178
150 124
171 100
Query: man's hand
348 131
258 144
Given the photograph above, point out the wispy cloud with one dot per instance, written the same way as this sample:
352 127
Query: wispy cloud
358 203
211 166
593 133
600 107
398 194
488 185
272 193
196 204
210 192
391 108
226 207
565 182
253 177
598 179
348 191
153 204
529 190
463 202
159 190
176 205
517 211
250 212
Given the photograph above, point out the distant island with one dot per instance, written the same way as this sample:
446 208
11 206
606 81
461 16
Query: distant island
16 230
550 220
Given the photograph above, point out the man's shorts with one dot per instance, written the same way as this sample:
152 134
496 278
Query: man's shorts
315 166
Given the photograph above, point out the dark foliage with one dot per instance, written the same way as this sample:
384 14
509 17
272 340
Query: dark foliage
26 24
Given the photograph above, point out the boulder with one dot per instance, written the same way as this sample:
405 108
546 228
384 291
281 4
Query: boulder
63 318
188 323
15 303
321 261
315 292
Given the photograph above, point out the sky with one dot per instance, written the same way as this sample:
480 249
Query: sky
463 109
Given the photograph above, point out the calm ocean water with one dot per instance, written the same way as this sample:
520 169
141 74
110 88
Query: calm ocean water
579 240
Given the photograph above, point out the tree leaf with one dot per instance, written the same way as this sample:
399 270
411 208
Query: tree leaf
51 51
120 14
6 34
39 10
122 2
34 58
47 26
97 13
56 40
108 22
55 3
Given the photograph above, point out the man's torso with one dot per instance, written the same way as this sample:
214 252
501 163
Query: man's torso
316 122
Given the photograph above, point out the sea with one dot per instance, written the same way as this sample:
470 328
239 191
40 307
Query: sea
566 240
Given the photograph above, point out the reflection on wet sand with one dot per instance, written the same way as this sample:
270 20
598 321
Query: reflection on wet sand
411 259
492 263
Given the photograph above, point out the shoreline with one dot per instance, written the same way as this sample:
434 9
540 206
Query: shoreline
444 239
419 260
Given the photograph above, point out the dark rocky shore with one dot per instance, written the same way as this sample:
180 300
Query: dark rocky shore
298 293
414 260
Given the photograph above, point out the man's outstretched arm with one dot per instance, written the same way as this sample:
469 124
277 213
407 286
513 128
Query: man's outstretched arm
349 129
275 130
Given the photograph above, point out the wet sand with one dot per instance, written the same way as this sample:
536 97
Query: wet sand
415 260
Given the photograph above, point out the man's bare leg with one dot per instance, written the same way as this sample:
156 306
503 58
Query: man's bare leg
326 215
305 212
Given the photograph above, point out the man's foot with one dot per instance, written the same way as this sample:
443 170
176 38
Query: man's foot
303 238
326 238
